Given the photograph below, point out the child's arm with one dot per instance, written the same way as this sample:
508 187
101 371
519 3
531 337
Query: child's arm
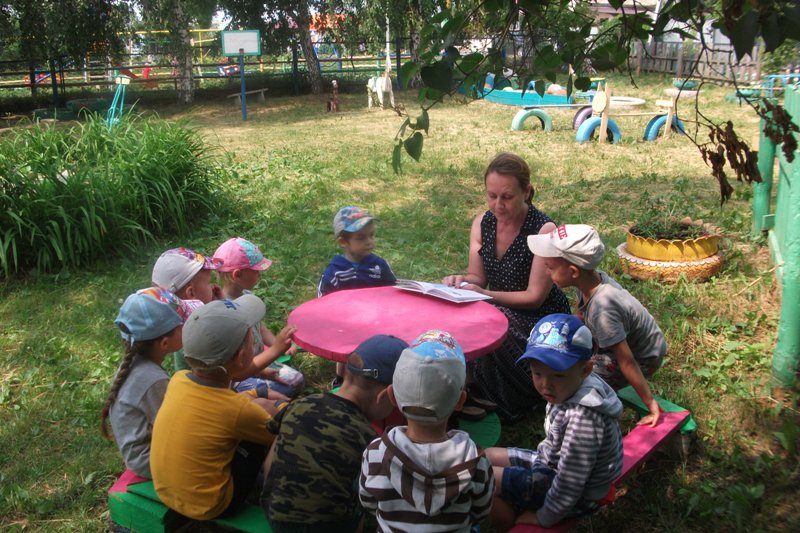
269 340
281 343
368 501
630 369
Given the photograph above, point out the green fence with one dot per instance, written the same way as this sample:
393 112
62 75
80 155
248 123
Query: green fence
781 220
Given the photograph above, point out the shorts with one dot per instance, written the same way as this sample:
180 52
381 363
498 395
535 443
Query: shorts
294 379
526 482
605 366
245 469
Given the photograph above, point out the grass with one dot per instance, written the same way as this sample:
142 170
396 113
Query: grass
292 166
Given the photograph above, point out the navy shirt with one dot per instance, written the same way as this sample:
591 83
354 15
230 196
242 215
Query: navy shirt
341 274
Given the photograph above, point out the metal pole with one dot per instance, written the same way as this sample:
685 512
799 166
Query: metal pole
244 89
397 44
762 192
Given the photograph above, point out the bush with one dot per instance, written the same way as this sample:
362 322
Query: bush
69 195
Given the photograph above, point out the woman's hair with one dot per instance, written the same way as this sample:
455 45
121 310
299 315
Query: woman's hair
508 164
132 349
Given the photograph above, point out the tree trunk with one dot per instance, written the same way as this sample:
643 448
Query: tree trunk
312 65
304 35
184 55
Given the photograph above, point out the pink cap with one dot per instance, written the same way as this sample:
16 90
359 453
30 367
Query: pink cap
238 254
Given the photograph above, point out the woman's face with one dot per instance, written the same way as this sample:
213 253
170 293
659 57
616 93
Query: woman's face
505 197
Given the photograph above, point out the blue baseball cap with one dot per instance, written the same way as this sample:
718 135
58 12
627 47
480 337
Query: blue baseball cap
559 341
350 219
150 313
379 354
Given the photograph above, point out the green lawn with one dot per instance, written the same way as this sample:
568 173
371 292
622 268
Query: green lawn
295 165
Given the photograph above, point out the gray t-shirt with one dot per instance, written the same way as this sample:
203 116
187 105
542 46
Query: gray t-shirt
613 315
133 413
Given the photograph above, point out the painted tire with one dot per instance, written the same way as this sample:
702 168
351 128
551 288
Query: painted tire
696 270
655 125
581 116
517 124
586 130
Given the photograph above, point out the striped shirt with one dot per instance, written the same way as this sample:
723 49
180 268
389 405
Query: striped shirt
425 487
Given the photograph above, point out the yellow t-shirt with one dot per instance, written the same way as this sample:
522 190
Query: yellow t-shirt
195 435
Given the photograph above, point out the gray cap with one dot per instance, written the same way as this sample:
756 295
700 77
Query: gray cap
215 331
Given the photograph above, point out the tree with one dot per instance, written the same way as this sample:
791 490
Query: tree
283 23
775 21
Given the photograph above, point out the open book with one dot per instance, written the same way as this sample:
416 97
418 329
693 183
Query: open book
439 290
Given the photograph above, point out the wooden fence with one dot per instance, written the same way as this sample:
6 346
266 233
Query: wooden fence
688 59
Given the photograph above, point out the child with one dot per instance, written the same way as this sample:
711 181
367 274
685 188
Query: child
422 477
632 346
312 478
150 322
209 442
242 264
357 267
571 472
187 274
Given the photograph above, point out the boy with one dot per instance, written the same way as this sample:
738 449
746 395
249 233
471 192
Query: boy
632 346
209 442
187 274
571 472
357 267
312 472
421 477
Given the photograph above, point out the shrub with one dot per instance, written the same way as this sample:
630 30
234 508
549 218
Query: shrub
69 195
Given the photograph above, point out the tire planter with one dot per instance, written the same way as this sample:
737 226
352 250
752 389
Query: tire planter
667 259
687 85
586 130
581 116
517 123
658 122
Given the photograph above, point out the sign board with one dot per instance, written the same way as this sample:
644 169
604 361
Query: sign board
247 40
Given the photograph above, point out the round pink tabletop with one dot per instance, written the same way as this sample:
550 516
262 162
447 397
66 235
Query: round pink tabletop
332 326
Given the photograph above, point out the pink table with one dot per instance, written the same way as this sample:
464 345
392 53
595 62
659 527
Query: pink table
332 326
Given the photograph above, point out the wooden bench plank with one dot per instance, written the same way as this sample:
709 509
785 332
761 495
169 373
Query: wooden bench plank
639 444
630 398
259 92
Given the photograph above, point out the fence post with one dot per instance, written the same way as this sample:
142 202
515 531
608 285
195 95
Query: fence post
762 192
787 349
397 44
639 53
679 65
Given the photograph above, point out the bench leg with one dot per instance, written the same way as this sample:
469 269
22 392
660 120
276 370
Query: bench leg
261 97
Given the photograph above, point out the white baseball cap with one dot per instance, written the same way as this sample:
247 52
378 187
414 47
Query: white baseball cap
578 244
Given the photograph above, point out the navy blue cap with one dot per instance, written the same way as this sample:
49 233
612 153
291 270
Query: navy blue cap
559 341
379 355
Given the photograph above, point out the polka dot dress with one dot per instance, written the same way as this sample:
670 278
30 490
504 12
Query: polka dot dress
496 375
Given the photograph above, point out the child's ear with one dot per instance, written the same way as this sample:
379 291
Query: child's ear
574 272
390 393
461 400
189 293
163 342
341 240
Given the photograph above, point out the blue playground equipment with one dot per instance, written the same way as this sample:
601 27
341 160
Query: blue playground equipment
118 104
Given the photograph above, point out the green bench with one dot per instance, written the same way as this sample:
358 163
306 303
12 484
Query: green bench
135 506
688 429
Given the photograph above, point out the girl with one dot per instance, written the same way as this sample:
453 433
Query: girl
242 264
150 321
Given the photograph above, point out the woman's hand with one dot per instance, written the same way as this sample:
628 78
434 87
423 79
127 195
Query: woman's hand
454 281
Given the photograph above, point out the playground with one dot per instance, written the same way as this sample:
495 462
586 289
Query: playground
291 165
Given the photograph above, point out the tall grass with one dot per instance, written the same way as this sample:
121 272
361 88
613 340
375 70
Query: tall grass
68 195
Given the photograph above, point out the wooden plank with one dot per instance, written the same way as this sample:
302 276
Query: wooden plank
637 446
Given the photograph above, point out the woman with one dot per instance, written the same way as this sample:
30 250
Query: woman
502 266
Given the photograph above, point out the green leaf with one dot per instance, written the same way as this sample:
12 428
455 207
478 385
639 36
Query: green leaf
569 86
745 33
772 32
583 83
437 76
470 62
407 72
546 59
423 121
403 127
413 145
396 153
539 87
616 4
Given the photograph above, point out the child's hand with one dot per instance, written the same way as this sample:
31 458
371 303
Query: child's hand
652 418
292 349
528 517
283 340
273 374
